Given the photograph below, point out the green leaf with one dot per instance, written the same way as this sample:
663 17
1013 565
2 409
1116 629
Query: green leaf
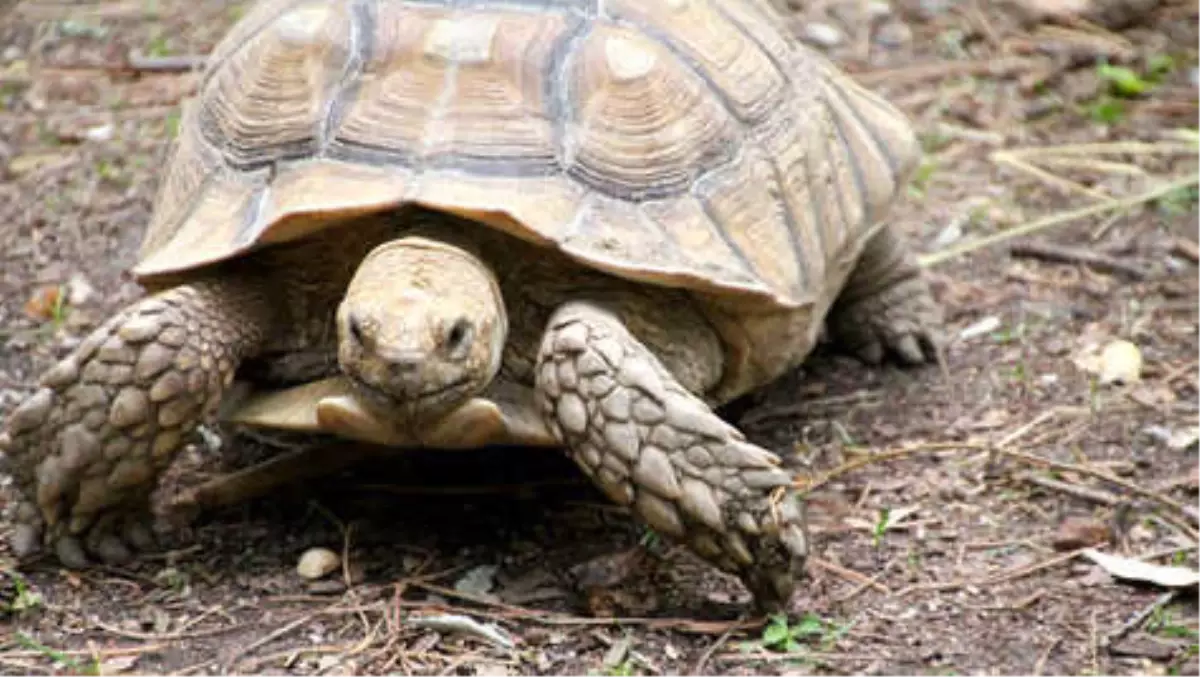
793 646
1123 81
775 634
811 624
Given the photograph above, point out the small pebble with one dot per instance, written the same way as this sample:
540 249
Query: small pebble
317 563
822 35
878 9
894 34
1121 363
11 53
984 326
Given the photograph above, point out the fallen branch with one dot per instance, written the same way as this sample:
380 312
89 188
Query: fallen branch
849 574
1138 618
181 63
1187 511
1086 493
944 69
930 260
1058 253
1186 248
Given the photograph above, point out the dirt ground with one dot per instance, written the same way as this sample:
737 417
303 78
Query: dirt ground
944 542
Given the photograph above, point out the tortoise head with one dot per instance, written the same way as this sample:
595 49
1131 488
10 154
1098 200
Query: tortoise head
422 326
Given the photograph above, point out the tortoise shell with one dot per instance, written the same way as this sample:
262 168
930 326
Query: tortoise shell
685 143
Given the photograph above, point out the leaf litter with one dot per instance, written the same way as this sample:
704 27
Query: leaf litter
996 455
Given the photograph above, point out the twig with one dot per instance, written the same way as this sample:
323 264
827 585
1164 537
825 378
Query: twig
930 260
698 669
892 454
793 656
1040 665
1066 185
1138 618
1013 574
1186 248
552 618
1063 254
446 623
180 63
1086 493
96 653
944 69
870 582
849 574
269 637
182 633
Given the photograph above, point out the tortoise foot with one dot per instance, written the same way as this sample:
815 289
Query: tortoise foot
902 320
650 444
86 449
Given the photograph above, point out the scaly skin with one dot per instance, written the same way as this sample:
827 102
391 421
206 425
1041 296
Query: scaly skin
87 448
650 444
886 306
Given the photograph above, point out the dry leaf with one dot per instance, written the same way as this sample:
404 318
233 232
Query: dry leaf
1135 570
1078 532
41 305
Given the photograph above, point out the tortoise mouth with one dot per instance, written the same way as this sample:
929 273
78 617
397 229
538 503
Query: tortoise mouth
431 401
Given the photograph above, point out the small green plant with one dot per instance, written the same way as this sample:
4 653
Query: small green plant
24 598
1164 622
649 540
1179 201
780 635
1123 82
920 180
91 667
623 669
881 526
172 124
1106 110
158 46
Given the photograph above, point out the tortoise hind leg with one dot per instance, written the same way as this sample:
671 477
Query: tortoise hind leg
886 306
86 449
650 444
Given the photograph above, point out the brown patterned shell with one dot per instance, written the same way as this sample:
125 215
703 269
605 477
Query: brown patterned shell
689 143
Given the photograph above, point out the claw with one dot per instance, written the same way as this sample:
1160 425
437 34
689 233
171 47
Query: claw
871 352
70 552
908 349
138 534
110 549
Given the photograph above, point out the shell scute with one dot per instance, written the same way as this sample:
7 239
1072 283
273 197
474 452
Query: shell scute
686 143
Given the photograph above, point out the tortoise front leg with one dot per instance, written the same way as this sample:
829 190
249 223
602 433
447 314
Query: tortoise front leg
87 448
650 444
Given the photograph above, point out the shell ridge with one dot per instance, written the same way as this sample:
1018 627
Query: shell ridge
556 91
212 67
815 205
698 191
789 220
345 91
834 89
856 171
841 223
749 35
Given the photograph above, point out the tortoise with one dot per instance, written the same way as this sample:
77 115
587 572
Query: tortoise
575 223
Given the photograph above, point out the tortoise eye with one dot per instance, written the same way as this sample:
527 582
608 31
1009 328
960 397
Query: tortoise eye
356 331
459 338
